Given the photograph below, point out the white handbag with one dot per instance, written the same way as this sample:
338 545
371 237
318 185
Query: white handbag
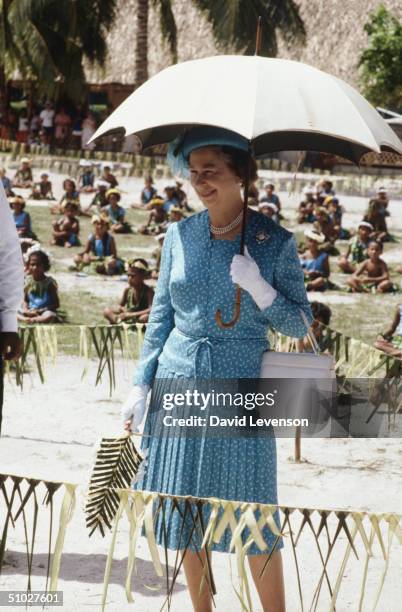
278 364
314 393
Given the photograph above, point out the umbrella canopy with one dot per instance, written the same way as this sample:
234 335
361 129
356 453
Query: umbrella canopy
276 104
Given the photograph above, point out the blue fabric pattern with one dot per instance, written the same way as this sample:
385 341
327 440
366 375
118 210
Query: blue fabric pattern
183 340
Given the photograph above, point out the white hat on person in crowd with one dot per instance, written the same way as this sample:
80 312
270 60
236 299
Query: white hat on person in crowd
309 190
269 184
36 248
85 163
314 234
169 185
382 190
262 205
365 224
25 160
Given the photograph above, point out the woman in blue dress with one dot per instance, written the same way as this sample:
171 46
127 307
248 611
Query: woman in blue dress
199 268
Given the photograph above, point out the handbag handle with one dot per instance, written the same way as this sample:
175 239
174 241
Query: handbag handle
310 335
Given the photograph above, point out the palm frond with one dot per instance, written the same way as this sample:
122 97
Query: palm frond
47 40
117 462
234 23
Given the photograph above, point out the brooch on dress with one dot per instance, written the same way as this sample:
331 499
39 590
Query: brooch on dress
261 236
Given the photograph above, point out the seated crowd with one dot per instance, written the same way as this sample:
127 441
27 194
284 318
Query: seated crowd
97 197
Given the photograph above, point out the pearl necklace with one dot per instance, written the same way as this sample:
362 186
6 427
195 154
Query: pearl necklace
218 231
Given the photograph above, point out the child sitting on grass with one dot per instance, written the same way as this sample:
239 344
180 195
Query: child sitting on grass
22 219
41 299
70 195
99 201
306 206
86 178
357 248
371 275
23 177
315 263
375 216
148 192
135 304
66 229
323 223
109 177
116 213
100 252
43 189
157 219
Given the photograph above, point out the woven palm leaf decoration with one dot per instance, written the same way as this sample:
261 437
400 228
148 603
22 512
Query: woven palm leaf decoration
336 533
19 502
116 465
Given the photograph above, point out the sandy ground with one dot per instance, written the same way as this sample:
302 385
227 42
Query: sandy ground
49 432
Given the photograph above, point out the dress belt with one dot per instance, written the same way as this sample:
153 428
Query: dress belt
195 348
207 341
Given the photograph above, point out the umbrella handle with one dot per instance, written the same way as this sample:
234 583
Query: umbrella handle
236 315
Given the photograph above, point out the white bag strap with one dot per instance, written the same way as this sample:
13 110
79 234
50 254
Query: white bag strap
310 335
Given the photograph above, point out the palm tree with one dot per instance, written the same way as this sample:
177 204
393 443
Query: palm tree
169 32
233 26
47 40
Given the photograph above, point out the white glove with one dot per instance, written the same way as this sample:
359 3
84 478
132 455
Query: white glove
135 405
246 273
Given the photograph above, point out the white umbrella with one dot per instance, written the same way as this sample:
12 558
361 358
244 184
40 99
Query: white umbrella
276 104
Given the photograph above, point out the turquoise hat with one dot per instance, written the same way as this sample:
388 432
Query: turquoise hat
201 136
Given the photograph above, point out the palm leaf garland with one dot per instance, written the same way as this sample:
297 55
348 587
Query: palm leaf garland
365 534
24 497
246 521
41 342
116 464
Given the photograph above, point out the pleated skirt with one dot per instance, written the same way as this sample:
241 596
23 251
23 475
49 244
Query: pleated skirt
232 467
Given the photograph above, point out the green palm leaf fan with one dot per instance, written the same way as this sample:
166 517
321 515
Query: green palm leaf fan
117 466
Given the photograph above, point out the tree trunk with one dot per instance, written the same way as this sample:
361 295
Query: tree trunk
4 91
141 51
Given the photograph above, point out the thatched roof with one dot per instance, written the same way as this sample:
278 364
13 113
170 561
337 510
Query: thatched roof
335 38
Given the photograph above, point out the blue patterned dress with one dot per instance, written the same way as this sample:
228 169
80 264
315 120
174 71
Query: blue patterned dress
183 340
